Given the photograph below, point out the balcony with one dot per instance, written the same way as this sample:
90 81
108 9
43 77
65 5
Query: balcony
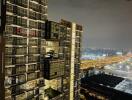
53 94
53 68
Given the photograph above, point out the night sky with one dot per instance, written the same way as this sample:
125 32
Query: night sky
107 23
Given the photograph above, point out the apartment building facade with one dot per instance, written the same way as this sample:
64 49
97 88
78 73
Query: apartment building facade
72 49
23 35
40 59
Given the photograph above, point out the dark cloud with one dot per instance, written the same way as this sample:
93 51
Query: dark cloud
107 23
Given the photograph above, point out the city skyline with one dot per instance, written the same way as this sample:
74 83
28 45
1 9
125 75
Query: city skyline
107 23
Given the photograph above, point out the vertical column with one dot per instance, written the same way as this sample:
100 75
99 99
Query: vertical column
28 2
72 63
2 27
1 68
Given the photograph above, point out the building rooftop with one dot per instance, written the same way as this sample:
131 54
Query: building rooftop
103 79
111 86
125 86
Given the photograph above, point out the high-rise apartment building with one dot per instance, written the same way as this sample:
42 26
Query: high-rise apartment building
72 49
62 59
24 45
40 59
54 65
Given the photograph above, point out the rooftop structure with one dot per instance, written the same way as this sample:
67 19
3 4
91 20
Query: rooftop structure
100 85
